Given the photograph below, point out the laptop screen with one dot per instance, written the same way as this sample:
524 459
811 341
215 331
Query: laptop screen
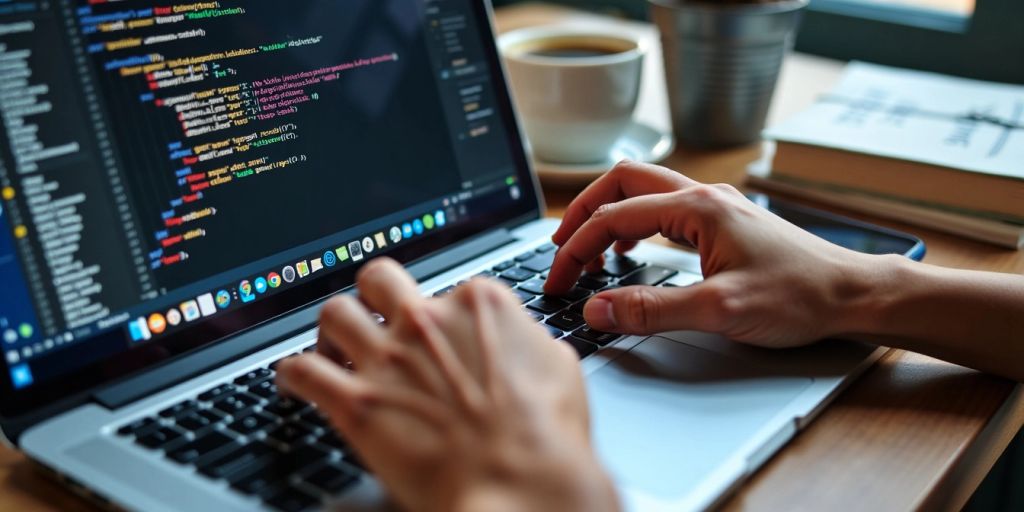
173 173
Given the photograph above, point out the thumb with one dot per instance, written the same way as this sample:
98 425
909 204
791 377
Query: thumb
649 310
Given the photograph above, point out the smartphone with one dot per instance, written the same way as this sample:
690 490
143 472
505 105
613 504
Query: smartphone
845 232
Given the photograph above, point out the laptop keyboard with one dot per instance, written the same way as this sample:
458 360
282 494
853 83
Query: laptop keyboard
277 449
282 451
563 316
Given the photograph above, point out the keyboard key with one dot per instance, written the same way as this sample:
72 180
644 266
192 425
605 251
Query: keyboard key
547 305
578 307
566 320
179 409
243 459
313 418
200 420
554 331
265 474
332 478
211 444
307 455
255 377
284 407
252 423
539 263
592 282
331 440
292 499
537 317
259 479
548 247
577 294
651 275
619 266
264 389
289 433
487 274
161 438
592 335
534 286
238 404
139 427
505 265
524 256
523 297
444 291
217 392
517 274
583 348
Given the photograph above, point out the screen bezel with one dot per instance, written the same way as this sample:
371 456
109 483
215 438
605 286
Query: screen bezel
129 363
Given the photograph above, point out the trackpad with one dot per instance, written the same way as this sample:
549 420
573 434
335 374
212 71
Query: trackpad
667 414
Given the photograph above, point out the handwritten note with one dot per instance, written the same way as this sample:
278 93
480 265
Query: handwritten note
937 119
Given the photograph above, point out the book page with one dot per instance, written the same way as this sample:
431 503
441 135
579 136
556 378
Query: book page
912 115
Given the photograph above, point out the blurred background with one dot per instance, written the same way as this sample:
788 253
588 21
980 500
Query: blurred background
981 39
973 38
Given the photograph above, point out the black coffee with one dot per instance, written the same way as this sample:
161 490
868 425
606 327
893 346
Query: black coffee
574 52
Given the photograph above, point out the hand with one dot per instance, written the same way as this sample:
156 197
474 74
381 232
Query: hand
767 282
460 403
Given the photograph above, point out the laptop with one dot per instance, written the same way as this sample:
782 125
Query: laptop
184 185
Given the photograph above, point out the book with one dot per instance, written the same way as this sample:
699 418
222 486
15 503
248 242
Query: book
922 138
1005 234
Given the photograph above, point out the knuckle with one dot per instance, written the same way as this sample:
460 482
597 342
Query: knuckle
641 307
603 211
727 188
704 193
622 167
724 305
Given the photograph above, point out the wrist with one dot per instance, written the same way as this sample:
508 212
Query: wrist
867 291
570 484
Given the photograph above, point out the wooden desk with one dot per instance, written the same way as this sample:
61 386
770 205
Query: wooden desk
911 433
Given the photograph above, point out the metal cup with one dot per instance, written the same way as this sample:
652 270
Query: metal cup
722 63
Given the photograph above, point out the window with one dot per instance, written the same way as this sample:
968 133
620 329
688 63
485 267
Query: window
975 38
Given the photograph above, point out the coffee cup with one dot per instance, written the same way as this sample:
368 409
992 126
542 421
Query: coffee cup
575 90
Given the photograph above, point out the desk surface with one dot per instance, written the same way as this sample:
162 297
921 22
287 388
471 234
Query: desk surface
913 432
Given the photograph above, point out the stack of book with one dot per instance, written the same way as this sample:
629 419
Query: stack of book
940 152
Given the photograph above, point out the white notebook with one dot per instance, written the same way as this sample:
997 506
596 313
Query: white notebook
912 115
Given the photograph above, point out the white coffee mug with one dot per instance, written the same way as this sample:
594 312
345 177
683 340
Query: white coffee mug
573 108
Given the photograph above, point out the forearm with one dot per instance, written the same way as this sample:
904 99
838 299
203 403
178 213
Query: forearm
971 318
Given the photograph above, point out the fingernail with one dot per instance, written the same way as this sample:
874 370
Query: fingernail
600 312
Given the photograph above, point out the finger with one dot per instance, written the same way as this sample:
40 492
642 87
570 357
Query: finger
347 327
630 219
627 179
648 310
595 266
624 246
345 398
314 378
385 286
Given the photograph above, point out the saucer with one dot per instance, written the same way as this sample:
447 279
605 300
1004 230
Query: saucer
640 143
